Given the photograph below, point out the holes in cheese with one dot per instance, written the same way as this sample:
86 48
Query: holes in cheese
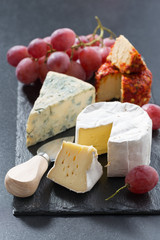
97 137
79 170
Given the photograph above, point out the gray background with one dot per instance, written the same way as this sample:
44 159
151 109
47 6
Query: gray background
20 22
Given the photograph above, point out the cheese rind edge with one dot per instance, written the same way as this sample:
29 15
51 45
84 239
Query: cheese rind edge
61 99
76 167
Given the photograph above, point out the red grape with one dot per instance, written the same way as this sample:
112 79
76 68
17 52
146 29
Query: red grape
48 41
104 51
27 70
153 111
141 179
76 70
58 62
108 42
62 39
16 54
43 69
90 59
62 52
89 74
37 48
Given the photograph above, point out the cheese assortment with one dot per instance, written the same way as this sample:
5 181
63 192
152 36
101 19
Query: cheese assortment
61 99
76 167
124 76
123 130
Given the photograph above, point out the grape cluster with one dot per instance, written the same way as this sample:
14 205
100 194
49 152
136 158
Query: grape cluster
63 52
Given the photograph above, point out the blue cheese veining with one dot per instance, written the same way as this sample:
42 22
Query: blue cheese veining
61 99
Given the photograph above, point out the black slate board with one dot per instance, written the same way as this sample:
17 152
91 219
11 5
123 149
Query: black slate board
52 199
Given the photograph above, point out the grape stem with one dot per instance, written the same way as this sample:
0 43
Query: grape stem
97 39
49 52
112 34
125 186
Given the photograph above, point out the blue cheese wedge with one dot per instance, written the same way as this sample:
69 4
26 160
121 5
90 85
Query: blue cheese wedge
76 167
60 101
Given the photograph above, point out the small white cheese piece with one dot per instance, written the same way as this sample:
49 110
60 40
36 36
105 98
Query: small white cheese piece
61 99
76 167
125 57
124 130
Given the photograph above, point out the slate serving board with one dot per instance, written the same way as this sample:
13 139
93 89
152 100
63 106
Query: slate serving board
52 199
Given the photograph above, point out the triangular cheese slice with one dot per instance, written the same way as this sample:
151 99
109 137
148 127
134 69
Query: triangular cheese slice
61 99
76 167
125 57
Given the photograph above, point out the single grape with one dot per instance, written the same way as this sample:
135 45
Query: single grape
76 70
104 51
48 41
58 62
62 39
43 68
27 71
37 48
16 54
153 111
89 74
140 180
90 59
108 42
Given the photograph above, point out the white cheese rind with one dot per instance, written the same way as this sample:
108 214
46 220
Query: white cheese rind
76 167
130 140
94 173
61 99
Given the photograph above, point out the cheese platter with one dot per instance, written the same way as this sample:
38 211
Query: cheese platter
97 92
53 199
